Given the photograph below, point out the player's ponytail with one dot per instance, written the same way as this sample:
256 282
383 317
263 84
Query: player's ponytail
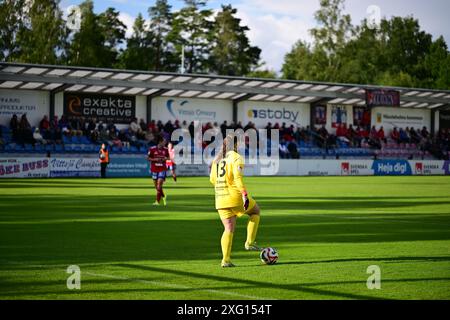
228 144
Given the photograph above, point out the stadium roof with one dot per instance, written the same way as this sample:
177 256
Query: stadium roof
112 81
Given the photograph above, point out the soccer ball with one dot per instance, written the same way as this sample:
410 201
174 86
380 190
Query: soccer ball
269 256
102 156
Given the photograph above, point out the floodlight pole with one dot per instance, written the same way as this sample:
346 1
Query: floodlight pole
182 59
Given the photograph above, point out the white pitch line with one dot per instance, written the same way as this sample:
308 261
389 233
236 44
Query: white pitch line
155 283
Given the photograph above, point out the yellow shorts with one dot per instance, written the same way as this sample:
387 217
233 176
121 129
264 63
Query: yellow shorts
236 211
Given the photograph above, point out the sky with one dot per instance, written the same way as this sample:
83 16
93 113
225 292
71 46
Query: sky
276 25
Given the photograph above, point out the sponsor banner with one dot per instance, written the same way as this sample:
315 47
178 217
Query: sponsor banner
35 104
390 118
338 116
24 168
319 115
356 168
128 167
444 119
192 170
261 113
318 168
189 110
74 167
139 167
90 167
378 98
392 168
106 108
446 168
286 168
426 168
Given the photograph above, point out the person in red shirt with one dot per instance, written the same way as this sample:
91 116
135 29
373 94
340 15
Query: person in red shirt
381 135
44 125
158 155
339 131
395 135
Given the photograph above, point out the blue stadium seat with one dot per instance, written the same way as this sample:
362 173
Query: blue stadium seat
84 140
66 139
9 148
19 148
116 149
59 148
77 149
39 148
76 140
29 148
143 150
133 149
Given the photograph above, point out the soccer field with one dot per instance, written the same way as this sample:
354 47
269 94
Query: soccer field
328 231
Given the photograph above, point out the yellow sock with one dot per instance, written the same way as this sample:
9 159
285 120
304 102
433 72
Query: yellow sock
252 228
226 242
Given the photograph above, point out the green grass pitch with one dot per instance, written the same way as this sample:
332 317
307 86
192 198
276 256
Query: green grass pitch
328 231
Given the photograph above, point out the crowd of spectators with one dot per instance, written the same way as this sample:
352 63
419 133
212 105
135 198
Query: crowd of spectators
292 139
438 145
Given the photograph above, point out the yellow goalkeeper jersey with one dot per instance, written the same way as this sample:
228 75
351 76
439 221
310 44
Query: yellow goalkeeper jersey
226 176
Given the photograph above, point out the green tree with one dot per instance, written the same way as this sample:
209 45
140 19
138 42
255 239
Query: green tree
96 43
11 21
232 53
265 73
296 62
437 64
398 53
191 29
362 59
404 45
113 31
161 20
138 55
305 63
333 31
87 45
323 60
43 33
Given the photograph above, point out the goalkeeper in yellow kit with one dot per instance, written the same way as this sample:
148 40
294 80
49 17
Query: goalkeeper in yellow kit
232 199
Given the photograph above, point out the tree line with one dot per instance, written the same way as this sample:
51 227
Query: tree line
35 32
396 52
